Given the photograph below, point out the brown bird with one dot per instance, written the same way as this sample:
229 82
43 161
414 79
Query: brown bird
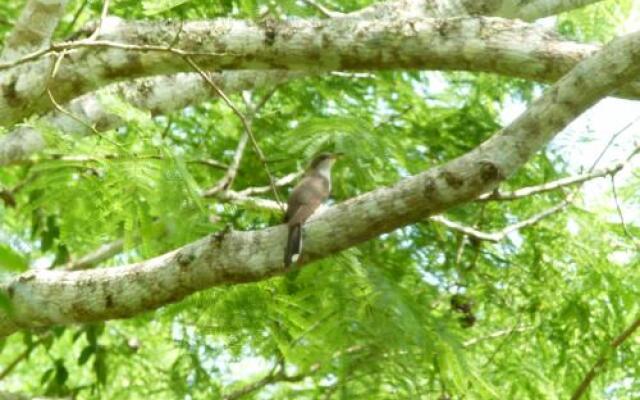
306 197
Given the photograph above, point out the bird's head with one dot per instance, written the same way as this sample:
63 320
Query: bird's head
324 160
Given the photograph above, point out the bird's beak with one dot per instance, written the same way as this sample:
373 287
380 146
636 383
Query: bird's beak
338 155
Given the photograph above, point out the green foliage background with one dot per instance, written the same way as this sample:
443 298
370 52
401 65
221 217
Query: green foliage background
418 313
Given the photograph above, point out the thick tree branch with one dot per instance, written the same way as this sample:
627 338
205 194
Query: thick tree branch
46 298
168 93
158 95
474 44
34 28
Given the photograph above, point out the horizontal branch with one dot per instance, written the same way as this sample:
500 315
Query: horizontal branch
46 298
165 94
526 11
158 95
143 48
34 28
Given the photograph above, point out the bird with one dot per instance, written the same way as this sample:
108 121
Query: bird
312 190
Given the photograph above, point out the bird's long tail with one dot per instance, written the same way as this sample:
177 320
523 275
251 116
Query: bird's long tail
294 245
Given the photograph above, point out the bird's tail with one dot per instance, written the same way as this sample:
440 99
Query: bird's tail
294 245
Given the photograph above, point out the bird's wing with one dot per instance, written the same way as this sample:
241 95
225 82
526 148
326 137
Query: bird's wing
303 213
306 198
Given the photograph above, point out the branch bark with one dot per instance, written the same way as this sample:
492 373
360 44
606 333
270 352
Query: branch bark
158 95
168 93
474 44
599 364
525 10
45 298
102 253
34 28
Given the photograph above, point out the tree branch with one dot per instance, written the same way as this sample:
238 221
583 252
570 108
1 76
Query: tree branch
21 357
496 237
168 93
324 10
246 123
490 45
225 183
532 10
34 28
551 186
159 95
46 298
101 254
496 334
600 362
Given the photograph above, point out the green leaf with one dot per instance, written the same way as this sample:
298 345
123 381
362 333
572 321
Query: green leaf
61 372
85 354
100 368
152 7
11 260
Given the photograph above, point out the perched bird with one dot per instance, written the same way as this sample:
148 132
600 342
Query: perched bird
306 197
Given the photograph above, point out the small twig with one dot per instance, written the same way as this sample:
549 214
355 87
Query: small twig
75 18
227 180
245 123
497 334
355 75
625 228
278 374
285 180
599 364
254 202
569 181
117 157
613 138
550 186
62 110
496 237
324 10
22 356
102 253
103 16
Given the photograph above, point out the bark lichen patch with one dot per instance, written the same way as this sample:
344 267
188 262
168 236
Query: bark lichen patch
80 312
452 179
429 188
184 260
132 66
269 26
490 172
108 301
10 94
27 276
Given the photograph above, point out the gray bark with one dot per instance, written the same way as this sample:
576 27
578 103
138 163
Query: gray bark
507 47
158 95
46 298
24 141
34 28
